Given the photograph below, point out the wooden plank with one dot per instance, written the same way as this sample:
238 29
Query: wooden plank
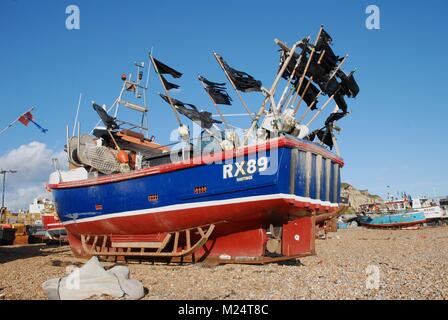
187 236
176 242
165 242
149 245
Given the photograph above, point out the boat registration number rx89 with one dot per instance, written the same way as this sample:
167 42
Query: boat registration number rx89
242 168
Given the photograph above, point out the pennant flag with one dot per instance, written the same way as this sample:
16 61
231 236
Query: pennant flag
217 91
164 69
27 118
108 121
168 85
243 81
192 113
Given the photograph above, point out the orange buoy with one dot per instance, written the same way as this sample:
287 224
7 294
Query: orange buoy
122 157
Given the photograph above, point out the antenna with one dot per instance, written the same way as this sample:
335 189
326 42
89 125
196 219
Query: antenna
77 113
4 172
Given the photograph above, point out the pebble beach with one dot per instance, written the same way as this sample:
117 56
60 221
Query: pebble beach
350 264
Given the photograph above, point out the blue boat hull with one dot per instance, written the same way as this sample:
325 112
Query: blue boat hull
393 221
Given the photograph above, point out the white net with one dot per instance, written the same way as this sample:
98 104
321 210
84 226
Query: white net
102 159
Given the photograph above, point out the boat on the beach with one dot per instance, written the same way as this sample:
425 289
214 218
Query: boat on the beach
393 221
248 196
434 212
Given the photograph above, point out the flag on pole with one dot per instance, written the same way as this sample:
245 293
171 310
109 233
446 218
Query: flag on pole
325 135
217 91
192 113
164 69
168 85
243 81
27 117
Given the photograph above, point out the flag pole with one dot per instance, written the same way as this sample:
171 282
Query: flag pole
234 86
166 92
16 120
308 85
306 69
322 108
216 106
284 97
270 93
320 92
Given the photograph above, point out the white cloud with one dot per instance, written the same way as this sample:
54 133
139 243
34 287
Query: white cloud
33 164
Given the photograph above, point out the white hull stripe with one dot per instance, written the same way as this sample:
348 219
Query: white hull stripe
203 204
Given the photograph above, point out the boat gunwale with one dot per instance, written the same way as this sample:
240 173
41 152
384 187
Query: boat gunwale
201 160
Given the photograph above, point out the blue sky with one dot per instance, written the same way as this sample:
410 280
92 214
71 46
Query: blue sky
396 134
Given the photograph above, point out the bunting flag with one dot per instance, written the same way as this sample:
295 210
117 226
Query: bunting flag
108 120
243 81
26 118
217 91
203 117
164 69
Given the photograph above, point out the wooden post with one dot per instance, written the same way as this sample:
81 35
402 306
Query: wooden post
234 86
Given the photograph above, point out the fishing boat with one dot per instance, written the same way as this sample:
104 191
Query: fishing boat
434 212
393 221
235 196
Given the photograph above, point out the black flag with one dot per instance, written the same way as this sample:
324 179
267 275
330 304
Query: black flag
164 69
340 101
217 91
329 59
349 85
108 120
192 113
243 81
335 116
325 135
310 95
168 85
